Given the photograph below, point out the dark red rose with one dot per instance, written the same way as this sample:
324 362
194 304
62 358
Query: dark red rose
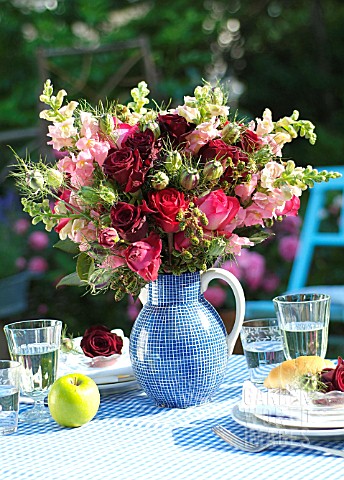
250 141
166 204
219 150
141 141
333 378
126 167
175 126
130 221
144 257
100 341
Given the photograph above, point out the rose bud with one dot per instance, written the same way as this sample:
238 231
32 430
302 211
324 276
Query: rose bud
35 180
107 124
54 178
160 181
230 133
213 170
173 162
189 178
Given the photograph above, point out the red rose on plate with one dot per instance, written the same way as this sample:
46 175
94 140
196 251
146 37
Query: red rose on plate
129 220
126 167
100 341
143 257
166 204
333 378
218 208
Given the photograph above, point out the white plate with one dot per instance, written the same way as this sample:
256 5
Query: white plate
308 420
251 421
118 387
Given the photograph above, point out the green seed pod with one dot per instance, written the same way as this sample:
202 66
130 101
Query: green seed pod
173 161
213 170
189 179
160 180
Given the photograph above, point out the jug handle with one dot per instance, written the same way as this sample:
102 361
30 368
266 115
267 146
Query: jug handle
233 282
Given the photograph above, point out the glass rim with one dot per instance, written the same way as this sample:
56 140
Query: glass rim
10 364
308 297
273 320
25 324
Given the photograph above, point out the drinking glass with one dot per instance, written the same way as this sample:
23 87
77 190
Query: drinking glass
35 344
9 396
303 319
262 344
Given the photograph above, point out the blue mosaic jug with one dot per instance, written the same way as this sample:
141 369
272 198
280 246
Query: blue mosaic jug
179 346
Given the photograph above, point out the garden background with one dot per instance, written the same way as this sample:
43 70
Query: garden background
280 54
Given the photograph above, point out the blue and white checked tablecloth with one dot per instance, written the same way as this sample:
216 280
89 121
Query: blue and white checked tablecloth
131 439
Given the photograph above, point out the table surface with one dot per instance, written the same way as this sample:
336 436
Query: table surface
130 438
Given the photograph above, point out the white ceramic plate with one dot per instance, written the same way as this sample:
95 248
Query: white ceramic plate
251 421
311 421
118 387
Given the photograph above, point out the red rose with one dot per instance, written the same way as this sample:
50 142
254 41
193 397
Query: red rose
166 204
129 220
333 378
175 126
219 150
108 237
144 257
126 167
100 341
141 141
250 141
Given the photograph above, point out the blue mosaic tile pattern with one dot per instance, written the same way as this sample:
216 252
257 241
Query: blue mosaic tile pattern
132 439
178 343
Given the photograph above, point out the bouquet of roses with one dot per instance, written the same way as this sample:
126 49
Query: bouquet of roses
139 191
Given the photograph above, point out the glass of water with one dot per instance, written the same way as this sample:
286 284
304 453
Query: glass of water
35 344
303 319
262 344
9 396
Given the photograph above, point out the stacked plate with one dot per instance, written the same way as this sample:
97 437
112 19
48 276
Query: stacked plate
112 374
294 413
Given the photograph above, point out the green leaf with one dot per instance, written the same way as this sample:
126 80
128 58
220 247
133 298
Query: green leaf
67 246
71 280
84 266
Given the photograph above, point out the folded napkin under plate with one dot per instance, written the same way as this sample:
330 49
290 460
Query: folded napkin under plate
294 409
115 377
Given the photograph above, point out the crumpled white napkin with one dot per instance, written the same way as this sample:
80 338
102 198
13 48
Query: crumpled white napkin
78 362
286 407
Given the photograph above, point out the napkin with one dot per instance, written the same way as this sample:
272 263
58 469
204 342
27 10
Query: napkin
78 362
287 408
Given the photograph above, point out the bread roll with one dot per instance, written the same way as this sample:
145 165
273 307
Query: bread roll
290 370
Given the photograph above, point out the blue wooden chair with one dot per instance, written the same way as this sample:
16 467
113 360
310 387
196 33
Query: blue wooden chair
310 238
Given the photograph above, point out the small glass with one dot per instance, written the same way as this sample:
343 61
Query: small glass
35 344
262 343
9 396
304 320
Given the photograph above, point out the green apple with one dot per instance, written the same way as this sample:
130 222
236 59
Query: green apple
73 400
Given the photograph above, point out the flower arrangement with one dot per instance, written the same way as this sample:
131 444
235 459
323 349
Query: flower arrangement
139 191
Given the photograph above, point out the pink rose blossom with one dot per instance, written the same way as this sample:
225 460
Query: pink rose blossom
143 257
38 240
218 208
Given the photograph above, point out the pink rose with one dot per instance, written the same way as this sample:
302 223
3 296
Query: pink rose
181 242
218 208
166 204
108 237
143 257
